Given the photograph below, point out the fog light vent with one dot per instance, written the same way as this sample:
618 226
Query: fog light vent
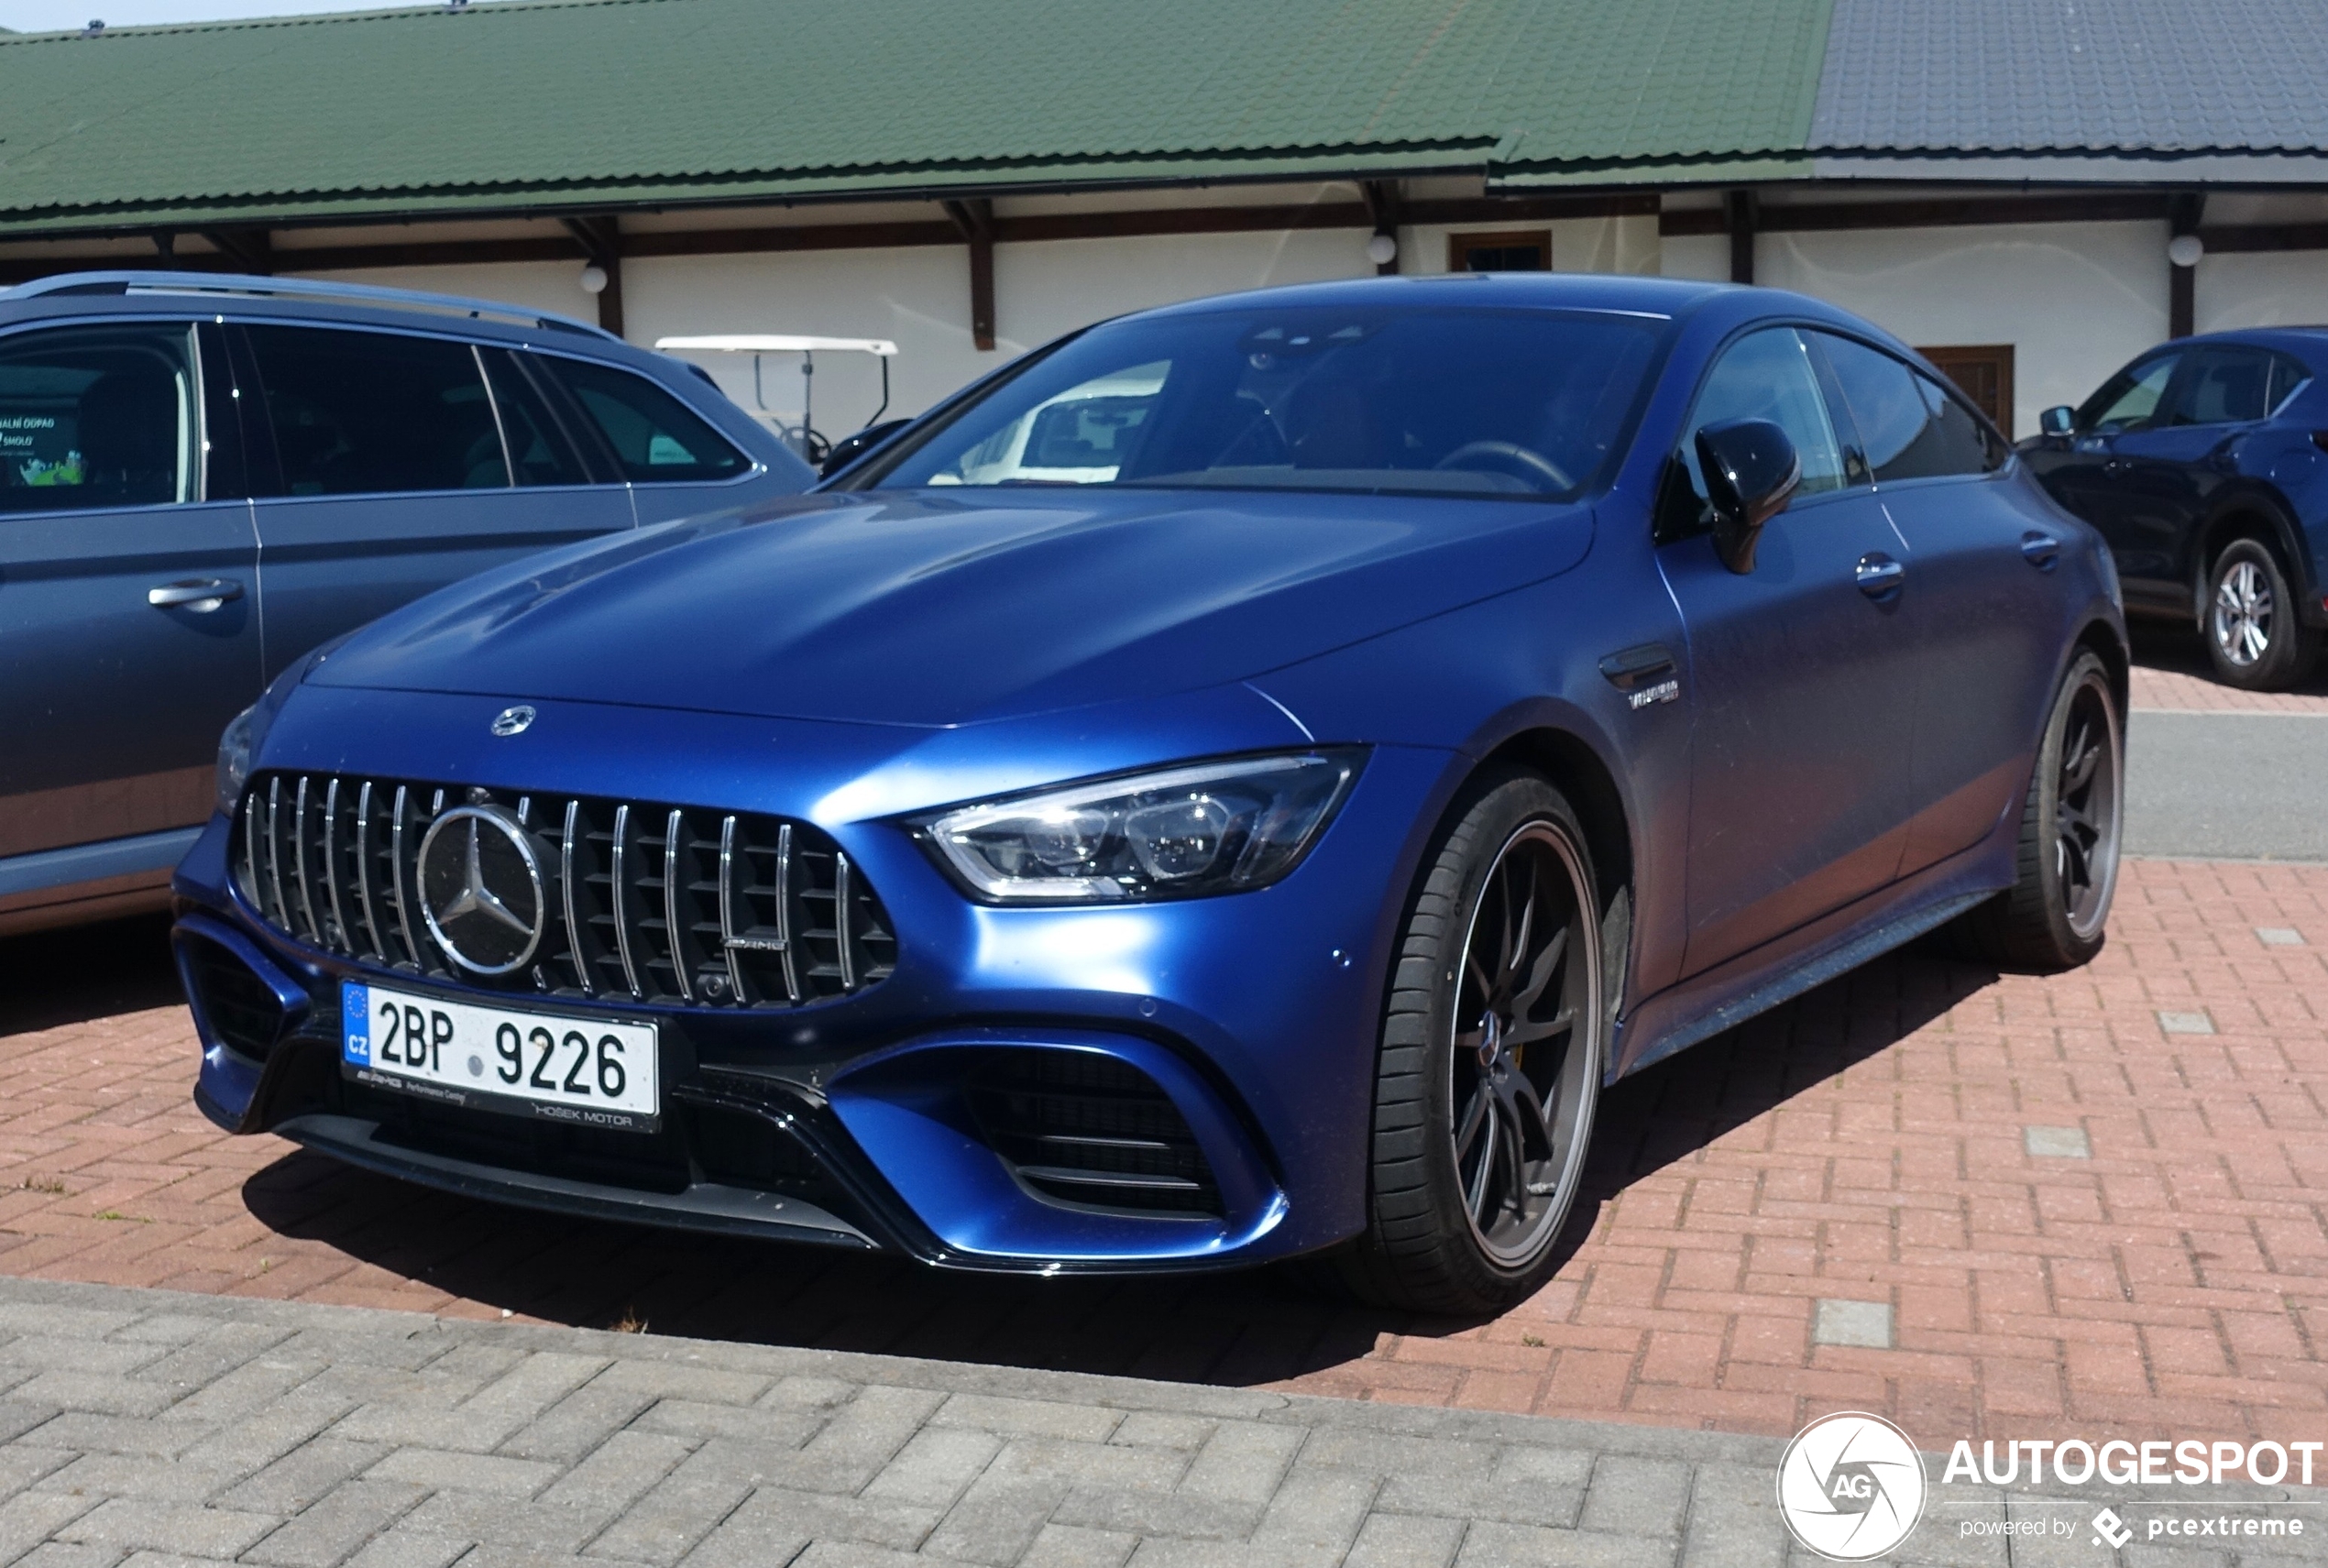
234 1006
1089 1130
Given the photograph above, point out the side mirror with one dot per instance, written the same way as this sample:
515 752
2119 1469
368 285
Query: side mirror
849 448
1751 470
2058 419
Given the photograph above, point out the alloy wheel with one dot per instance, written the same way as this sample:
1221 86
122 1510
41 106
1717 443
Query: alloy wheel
1525 1033
2086 806
2242 616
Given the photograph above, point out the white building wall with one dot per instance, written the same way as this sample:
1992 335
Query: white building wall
2286 287
2075 300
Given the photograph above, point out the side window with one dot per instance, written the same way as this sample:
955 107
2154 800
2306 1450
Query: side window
1768 375
2226 386
2287 374
1956 442
2129 400
98 416
655 438
541 453
375 414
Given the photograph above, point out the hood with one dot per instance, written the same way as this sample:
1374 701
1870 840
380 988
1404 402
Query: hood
923 608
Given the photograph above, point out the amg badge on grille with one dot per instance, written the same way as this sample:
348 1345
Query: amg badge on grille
482 890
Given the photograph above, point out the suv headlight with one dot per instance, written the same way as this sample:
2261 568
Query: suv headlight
1183 832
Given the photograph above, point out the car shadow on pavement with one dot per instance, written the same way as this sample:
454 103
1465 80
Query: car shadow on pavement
1242 1327
52 979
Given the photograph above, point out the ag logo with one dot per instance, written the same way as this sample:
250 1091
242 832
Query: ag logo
1850 1487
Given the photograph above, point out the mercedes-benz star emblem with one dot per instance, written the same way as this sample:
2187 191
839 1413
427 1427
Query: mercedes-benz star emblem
513 720
481 889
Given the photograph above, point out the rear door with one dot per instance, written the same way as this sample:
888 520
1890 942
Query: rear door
389 474
130 628
676 463
1801 674
1985 620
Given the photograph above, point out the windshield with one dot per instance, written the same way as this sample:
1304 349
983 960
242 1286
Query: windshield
1366 399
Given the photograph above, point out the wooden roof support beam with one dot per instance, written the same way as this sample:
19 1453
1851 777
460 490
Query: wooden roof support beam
1383 204
974 216
2183 215
601 238
247 249
1742 216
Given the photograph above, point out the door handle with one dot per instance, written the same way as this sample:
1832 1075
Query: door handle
2041 550
1632 668
201 595
2115 467
1879 576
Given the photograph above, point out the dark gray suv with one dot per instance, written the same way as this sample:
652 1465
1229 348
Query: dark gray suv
203 477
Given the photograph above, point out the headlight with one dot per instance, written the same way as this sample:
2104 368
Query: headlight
234 750
1179 833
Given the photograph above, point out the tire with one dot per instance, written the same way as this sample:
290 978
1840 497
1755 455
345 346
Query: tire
2252 621
2053 917
1479 1132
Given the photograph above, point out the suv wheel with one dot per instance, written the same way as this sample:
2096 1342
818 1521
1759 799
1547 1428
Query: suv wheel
2254 628
1491 1062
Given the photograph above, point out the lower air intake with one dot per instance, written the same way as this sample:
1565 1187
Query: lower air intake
237 1009
1089 1130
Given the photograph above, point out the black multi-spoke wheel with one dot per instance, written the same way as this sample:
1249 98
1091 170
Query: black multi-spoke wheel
2052 919
2254 637
1491 1060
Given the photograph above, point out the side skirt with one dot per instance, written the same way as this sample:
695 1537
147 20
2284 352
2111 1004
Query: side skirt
1705 1005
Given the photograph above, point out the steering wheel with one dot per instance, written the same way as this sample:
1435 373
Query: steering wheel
1513 454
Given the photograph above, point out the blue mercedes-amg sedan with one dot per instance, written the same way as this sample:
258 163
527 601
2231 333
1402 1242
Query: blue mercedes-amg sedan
1235 783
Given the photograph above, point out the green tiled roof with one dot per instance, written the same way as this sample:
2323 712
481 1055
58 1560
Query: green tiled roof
558 103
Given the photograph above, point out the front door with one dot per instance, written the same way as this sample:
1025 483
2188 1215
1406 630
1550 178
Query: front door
390 473
128 605
2093 471
1800 679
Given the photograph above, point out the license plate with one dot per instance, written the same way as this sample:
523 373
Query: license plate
587 1072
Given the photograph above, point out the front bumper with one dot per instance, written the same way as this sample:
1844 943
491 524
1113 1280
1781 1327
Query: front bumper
867 1121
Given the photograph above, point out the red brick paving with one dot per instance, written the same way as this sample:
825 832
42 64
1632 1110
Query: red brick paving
1864 1144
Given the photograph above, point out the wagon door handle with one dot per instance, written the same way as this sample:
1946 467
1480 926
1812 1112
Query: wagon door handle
1879 576
201 595
2041 550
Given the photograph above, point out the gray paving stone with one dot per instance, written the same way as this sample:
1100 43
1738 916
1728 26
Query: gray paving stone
97 1392
620 1470
1638 1496
484 1518
44 1352
1862 1323
695 1418
168 1527
294 1481
678 1380
2057 1143
1027 1418
336 1525
1733 1519
1181 1515
1490 1545
193 1479
577 1423
1151 1429
1406 1541
934 1468
439 1470
408 1549
1075 1546
1242 1461
90 1433
64 1555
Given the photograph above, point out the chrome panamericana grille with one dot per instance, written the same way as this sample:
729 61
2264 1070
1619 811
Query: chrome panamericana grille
645 903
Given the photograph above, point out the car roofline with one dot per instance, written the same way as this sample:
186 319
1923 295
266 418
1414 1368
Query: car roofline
252 286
